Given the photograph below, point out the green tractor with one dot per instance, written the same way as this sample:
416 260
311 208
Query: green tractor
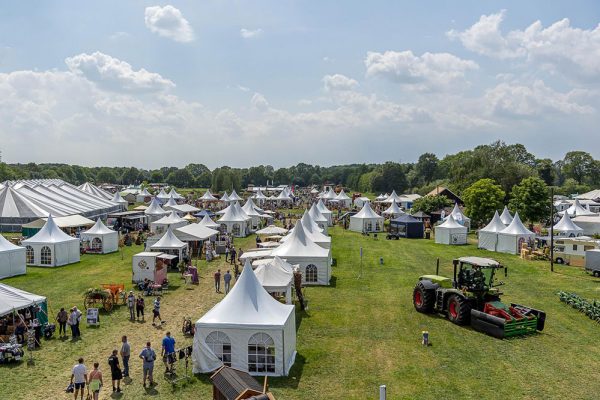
472 296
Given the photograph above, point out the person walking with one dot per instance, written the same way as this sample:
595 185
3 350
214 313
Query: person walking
95 381
131 305
62 318
79 378
76 319
156 311
218 281
168 352
226 253
148 355
232 255
139 307
125 354
227 281
115 371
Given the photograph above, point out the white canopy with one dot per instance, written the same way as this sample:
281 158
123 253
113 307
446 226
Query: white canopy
95 190
12 259
316 215
577 210
275 279
50 233
367 212
195 232
259 195
207 196
175 195
225 197
162 195
510 239
250 209
208 222
52 247
450 232
506 218
234 196
393 210
170 219
366 220
102 239
566 227
330 195
342 196
171 201
118 199
459 217
392 198
322 209
234 213
488 236
591 195
297 244
99 229
272 230
155 209
168 241
13 299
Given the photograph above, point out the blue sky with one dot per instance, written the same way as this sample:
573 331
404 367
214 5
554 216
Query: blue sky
280 82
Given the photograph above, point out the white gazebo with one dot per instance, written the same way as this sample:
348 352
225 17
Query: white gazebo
101 239
51 247
360 201
170 244
209 223
235 221
119 200
248 330
450 232
312 231
505 217
259 197
488 236
393 211
251 210
511 238
343 199
175 195
392 198
577 210
172 221
225 197
313 260
12 259
195 233
319 218
325 212
162 196
208 196
366 220
275 278
566 227
154 211
460 217
234 196
170 203
272 230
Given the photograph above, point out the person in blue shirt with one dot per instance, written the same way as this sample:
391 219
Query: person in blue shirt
168 352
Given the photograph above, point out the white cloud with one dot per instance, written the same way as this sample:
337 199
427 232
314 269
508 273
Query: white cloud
516 100
168 22
259 102
560 47
243 88
431 71
250 33
115 74
339 82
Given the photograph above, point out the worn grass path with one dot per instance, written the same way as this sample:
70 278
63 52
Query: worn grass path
357 334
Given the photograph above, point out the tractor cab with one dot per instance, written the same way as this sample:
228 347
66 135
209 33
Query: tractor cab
476 275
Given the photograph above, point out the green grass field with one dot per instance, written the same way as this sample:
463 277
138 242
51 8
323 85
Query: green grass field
358 333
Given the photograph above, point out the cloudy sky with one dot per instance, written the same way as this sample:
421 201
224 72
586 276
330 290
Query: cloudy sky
278 82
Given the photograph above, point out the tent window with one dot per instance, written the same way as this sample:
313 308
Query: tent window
261 353
311 273
235 229
220 344
97 244
368 226
223 228
46 256
29 255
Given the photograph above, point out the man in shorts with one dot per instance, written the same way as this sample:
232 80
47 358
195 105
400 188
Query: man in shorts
148 355
168 353
79 378
156 312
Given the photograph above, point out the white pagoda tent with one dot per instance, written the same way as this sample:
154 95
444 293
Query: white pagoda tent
175 195
236 221
195 233
343 199
450 232
208 196
251 210
488 236
225 197
360 201
162 196
392 198
329 195
209 223
234 196
313 260
248 330
119 200
511 238
12 259
312 231
566 227
259 197
101 238
459 217
275 278
142 196
577 210
319 218
505 217
171 220
170 244
170 203
325 212
154 211
393 211
51 247
591 195
366 220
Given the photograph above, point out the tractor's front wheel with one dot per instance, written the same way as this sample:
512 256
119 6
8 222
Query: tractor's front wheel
423 299
459 310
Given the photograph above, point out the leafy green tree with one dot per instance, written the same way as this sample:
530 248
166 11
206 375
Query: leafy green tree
531 199
545 170
428 204
106 175
426 168
578 165
130 176
6 173
181 178
482 199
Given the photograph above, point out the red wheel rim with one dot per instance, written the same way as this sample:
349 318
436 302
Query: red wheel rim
452 309
418 298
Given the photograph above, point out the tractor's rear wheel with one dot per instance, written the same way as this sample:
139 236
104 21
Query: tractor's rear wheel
423 299
459 310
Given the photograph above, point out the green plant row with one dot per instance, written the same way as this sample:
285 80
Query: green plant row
591 309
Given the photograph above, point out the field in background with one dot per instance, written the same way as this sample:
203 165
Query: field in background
360 332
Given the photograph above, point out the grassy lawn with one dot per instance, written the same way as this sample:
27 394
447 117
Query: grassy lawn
357 334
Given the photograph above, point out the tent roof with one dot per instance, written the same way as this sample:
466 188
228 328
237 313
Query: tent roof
248 304
155 209
495 224
94 190
316 215
7 246
70 221
516 227
342 196
208 222
392 197
172 218
168 241
184 208
458 214
312 230
171 201
566 225
393 209
225 196
273 275
272 230
250 208
591 195
451 223
407 219
175 195
118 199
50 233
99 229
234 196
200 231
259 195
13 299
299 245
15 205
162 195
505 217
321 207
234 213
207 196
366 212
577 210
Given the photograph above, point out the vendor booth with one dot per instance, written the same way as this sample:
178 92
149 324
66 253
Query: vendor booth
12 259
152 266
170 244
172 221
51 247
407 226
100 239
366 220
154 212
276 280
450 232
511 238
488 236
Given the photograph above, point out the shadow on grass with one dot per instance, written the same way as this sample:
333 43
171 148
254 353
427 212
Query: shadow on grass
300 315
293 379
332 282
